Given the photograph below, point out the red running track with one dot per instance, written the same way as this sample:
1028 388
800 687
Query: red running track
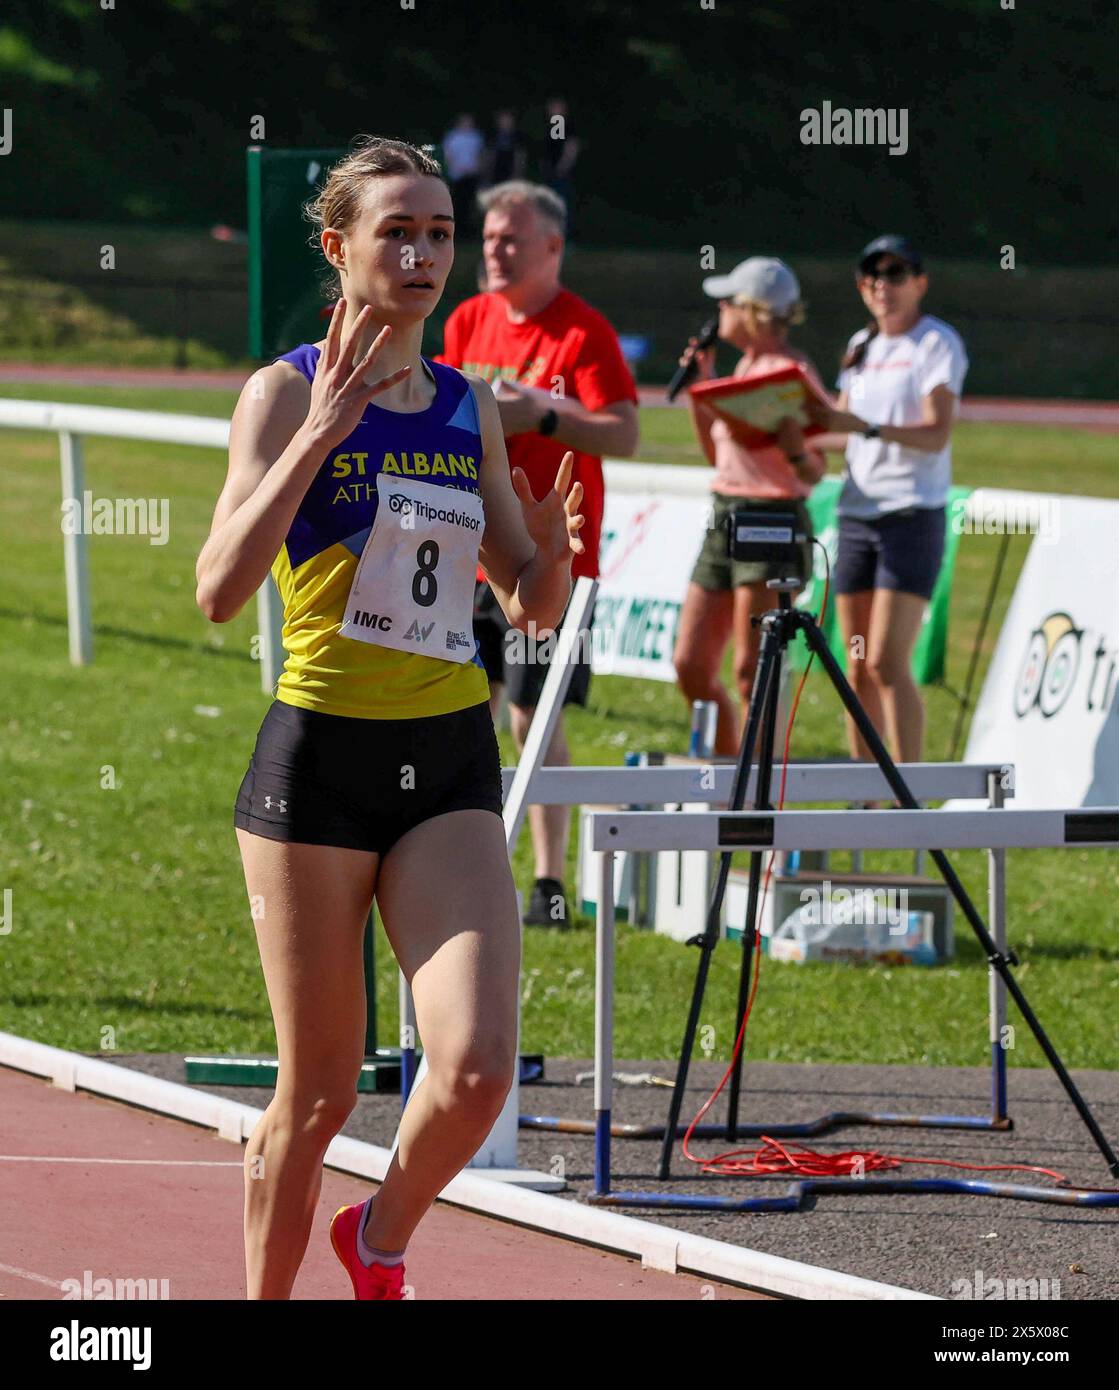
91 1184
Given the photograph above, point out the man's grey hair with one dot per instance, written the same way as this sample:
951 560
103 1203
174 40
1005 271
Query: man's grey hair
548 205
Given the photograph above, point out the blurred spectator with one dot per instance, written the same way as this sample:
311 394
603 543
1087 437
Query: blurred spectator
506 156
558 154
463 151
759 301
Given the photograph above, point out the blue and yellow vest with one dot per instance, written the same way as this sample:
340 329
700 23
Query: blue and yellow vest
316 564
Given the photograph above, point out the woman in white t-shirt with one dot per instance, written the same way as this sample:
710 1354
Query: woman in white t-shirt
758 301
899 384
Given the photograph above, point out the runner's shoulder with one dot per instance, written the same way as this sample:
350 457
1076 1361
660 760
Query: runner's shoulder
483 392
273 402
280 381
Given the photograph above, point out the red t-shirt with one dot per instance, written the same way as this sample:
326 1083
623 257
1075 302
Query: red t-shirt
567 340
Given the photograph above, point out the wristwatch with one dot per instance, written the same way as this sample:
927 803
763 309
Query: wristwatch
547 426
871 432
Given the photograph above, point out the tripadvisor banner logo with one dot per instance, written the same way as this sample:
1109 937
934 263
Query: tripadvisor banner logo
1050 666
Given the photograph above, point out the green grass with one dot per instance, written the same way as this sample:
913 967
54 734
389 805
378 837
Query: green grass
129 907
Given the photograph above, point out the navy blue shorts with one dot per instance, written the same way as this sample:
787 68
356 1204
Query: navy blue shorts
329 779
901 550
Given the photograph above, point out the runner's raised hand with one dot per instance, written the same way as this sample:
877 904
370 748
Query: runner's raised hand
342 387
553 523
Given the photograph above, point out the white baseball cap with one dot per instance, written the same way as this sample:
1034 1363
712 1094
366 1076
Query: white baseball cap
762 279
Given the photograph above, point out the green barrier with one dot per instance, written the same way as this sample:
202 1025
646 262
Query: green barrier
285 295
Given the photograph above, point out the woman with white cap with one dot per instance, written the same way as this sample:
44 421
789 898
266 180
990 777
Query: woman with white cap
901 377
758 302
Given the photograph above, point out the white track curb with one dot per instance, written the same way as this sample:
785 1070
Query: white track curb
658 1247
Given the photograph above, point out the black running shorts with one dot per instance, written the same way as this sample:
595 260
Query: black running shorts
327 779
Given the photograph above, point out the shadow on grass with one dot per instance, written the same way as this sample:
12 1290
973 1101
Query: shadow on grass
1066 950
150 639
126 1004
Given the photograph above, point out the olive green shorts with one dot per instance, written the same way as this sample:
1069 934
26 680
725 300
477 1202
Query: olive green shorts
715 569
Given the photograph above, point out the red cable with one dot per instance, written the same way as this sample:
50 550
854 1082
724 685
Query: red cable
773 1157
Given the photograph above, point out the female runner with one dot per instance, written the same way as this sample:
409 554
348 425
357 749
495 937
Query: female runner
370 481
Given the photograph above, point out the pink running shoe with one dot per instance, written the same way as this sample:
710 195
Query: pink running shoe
369 1281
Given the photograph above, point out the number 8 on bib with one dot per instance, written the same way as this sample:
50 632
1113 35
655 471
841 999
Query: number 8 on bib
414 586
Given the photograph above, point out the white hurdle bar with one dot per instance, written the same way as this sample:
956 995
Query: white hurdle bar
825 781
884 829
995 830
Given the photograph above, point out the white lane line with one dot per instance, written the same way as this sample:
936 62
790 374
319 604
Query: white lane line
26 1274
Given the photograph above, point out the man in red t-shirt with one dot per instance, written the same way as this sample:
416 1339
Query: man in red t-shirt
561 384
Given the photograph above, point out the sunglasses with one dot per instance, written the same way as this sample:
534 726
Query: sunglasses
893 275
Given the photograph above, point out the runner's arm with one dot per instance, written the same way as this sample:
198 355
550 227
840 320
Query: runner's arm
272 461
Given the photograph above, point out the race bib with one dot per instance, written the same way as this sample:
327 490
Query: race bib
414 586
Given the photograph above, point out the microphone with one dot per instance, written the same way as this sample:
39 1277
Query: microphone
683 375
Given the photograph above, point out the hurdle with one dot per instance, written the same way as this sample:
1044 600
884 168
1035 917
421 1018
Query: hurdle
995 829
805 782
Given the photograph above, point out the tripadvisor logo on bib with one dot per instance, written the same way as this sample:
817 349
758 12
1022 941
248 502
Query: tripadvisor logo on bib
1050 666
412 506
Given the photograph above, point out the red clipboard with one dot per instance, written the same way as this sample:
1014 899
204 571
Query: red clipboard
751 407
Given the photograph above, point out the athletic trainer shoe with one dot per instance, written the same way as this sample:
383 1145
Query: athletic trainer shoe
547 907
369 1281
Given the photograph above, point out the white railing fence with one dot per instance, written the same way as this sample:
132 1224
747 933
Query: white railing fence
73 422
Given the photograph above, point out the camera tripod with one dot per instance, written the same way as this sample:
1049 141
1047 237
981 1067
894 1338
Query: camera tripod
779 626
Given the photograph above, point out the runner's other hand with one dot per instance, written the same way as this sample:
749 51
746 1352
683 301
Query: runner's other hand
553 523
342 386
